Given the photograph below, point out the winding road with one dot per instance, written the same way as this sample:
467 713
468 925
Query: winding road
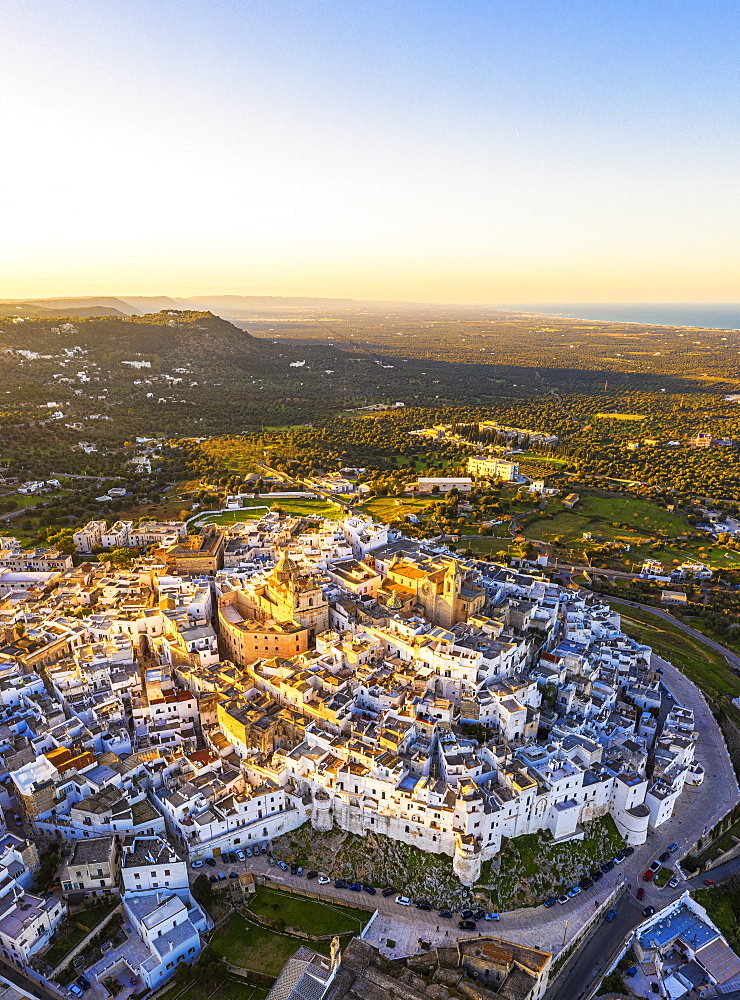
732 658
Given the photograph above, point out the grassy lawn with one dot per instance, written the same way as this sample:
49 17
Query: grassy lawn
596 514
702 665
485 544
258 508
249 946
307 915
395 508
663 877
228 988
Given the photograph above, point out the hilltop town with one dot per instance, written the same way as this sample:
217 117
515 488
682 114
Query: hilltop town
233 686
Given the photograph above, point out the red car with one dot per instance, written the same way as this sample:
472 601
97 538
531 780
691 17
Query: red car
640 894
708 881
647 876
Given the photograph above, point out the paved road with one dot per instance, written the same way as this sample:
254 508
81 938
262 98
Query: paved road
597 954
30 985
732 658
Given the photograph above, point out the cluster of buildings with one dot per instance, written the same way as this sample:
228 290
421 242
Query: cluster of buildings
233 686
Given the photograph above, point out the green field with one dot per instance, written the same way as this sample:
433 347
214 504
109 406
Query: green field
596 514
307 915
253 510
386 509
722 904
249 946
707 668
227 988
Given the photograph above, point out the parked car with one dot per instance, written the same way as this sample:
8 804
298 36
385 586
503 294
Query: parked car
672 848
355 887
655 866
467 914
221 876
389 890
75 990
664 857
610 915
674 882
586 882
403 900
299 870
632 972
271 861
294 869
282 865
708 881
324 880
197 863
640 894
607 866
550 901
564 898
597 875
210 862
647 876
648 911
370 889
628 852
240 855
423 905
618 859
212 878
247 852
445 913
341 884
467 925
496 916
233 875
264 848
83 982
574 890
310 875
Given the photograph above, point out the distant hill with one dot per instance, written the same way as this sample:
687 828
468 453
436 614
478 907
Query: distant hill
154 303
73 307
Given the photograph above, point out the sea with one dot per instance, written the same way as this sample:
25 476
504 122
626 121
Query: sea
705 315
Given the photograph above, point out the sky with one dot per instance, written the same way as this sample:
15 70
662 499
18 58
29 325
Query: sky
419 150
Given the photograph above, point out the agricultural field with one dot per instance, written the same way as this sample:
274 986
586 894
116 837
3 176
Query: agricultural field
597 514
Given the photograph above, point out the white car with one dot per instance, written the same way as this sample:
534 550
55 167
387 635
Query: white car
323 880
197 863
75 990
403 900
240 855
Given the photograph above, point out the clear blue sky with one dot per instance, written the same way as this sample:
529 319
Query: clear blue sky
416 149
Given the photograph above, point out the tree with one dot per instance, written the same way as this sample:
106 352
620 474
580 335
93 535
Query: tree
122 558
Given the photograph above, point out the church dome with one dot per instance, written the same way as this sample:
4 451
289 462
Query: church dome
395 603
286 568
